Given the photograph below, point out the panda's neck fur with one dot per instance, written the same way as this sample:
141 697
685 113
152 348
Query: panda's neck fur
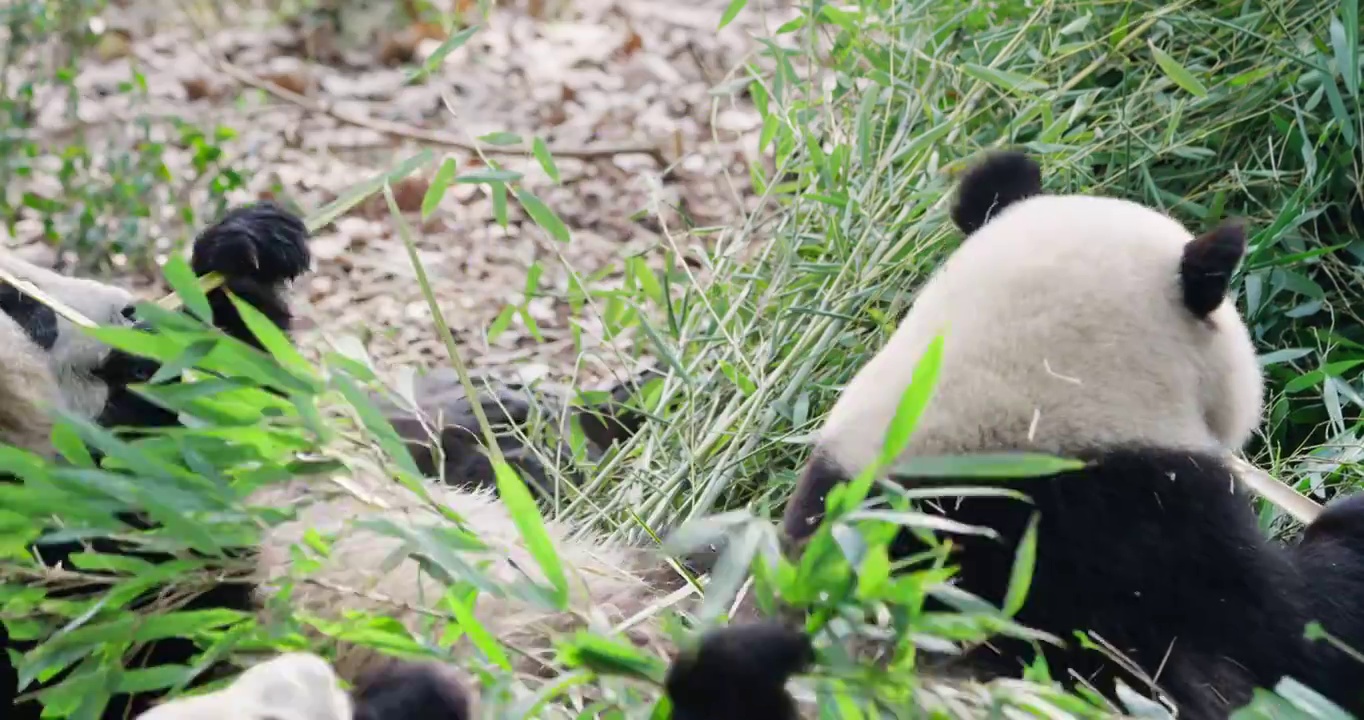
993 414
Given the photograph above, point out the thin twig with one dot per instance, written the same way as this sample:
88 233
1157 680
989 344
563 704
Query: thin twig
430 137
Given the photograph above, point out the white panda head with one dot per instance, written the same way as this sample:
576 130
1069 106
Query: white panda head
1071 323
91 376
293 686
303 686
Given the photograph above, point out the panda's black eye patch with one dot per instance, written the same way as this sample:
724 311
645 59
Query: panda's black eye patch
129 313
121 369
38 320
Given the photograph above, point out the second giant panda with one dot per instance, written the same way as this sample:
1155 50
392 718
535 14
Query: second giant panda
303 686
610 584
51 363
1097 329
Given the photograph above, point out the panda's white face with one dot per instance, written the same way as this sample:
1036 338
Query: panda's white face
75 358
1065 329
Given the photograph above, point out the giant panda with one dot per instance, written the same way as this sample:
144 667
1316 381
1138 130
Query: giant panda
1097 329
609 583
51 363
303 686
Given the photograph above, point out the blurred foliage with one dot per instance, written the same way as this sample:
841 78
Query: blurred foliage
112 181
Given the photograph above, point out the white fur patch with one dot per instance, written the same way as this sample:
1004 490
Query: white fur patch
294 686
605 578
1065 330
28 393
75 354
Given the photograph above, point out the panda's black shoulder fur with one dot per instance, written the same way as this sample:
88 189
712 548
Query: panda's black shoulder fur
999 180
1129 546
739 673
1138 533
413 691
256 248
38 321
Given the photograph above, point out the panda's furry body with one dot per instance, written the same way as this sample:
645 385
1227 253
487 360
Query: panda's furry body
257 249
50 363
1096 329
302 686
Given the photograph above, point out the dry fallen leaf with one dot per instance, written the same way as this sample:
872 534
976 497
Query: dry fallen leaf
197 88
113 44
633 44
602 71
296 80
401 46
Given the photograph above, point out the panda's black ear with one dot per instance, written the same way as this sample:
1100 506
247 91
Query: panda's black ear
1206 269
1000 180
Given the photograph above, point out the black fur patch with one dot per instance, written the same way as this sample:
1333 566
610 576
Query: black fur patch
614 421
1331 555
444 406
998 181
38 320
1152 550
260 240
255 248
124 408
1209 261
178 651
411 691
739 672
805 509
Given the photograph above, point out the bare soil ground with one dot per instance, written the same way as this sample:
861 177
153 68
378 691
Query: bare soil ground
624 92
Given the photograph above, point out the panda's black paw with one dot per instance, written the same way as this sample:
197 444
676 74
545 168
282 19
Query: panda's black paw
739 673
412 691
262 241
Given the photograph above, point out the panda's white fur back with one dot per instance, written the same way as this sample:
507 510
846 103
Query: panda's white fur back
292 686
1059 380
75 353
607 580
28 392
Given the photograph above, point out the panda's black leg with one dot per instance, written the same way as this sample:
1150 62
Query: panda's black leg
412 691
613 421
739 672
1330 556
256 248
229 595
